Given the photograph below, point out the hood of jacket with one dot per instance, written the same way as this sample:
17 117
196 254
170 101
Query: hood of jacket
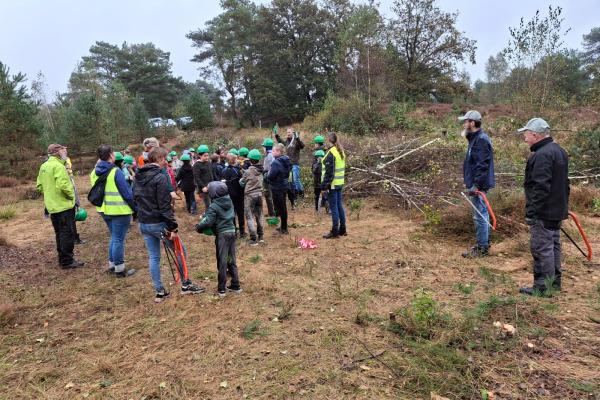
285 161
102 167
146 174
224 202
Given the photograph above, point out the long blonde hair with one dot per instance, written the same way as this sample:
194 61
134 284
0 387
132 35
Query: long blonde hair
332 137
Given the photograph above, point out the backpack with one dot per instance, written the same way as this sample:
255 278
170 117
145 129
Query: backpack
96 194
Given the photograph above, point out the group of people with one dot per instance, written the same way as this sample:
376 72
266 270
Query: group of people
231 186
546 195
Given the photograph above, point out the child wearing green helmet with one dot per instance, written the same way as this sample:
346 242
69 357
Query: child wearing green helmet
252 182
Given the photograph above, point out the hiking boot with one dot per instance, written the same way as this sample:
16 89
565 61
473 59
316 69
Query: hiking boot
161 295
261 239
342 231
190 288
233 289
476 252
80 241
331 235
74 264
221 294
532 291
279 231
252 242
243 235
125 273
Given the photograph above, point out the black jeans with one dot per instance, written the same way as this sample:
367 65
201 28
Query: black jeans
225 246
238 206
280 208
190 201
63 223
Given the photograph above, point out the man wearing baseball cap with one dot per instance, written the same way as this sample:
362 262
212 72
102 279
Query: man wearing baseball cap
478 176
59 198
547 203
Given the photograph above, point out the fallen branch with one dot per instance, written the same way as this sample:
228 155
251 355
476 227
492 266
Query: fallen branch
376 357
401 156
352 363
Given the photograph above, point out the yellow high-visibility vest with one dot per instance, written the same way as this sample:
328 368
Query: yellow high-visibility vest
113 202
339 167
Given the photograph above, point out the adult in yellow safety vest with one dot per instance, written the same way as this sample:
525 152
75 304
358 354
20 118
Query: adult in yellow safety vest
333 168
59 198
116 209
69 167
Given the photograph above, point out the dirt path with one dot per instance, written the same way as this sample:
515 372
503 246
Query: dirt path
306 326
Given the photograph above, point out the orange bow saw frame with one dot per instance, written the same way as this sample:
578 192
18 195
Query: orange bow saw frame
583 236
175 256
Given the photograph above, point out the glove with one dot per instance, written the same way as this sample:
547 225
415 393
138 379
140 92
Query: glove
531 221
472 191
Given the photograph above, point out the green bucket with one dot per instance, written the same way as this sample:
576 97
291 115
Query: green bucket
272 220
208 232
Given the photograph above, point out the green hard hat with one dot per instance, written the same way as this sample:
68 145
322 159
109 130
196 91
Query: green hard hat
254 155
233 151
191 149
81 214
118 156
243 151
128 159
203 149
268 142
319 153
319 139
185 157
173 153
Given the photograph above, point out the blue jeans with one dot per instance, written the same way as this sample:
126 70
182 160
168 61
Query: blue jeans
296 179
152 238
336 206
482 228
118 225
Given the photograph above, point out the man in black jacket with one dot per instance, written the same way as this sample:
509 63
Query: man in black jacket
152 196
547 203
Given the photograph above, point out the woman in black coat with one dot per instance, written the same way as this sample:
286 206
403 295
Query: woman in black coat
185 181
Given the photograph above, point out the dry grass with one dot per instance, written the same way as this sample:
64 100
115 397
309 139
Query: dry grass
304 325
8 181
309 324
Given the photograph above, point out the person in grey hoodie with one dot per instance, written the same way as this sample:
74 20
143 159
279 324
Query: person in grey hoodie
252 182
219 217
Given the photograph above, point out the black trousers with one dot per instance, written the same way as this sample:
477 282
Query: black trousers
225 246
190 201
63 224
280 208
238 206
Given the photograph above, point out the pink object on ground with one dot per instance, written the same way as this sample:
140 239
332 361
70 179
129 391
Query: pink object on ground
307 244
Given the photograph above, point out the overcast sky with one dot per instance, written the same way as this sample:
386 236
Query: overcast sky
52 36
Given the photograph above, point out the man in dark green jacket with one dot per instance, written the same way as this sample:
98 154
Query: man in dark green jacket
219 217
59 198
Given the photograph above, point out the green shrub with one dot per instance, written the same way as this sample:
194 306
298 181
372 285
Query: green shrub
351 115
422 318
